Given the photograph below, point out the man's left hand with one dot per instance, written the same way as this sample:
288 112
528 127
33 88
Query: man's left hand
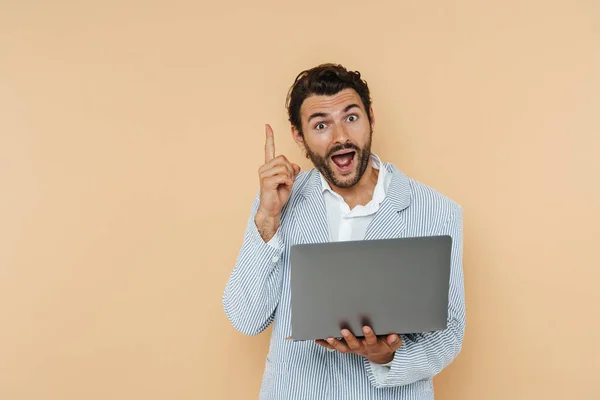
379 351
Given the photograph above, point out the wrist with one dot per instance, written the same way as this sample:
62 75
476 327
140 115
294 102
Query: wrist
267 225
382 359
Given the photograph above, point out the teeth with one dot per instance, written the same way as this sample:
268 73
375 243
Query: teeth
343 154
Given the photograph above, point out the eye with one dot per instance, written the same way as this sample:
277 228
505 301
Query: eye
320 126
352 118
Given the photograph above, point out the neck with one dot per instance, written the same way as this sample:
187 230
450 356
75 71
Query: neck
362 192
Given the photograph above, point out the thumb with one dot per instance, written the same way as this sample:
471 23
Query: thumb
296 169
394 342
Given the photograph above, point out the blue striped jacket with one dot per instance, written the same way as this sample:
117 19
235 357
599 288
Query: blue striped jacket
258 294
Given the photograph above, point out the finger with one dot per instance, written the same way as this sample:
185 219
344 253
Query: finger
274 181
276 170
370 337
277 161
337 345
323 343
269 144
296 169
288 165
351 340
394 342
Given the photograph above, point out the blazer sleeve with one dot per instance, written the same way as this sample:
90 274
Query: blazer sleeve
421 356
254 286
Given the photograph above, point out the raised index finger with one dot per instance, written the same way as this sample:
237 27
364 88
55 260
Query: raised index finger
269 144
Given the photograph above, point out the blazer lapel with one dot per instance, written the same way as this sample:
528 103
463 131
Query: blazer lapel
389 222
311 215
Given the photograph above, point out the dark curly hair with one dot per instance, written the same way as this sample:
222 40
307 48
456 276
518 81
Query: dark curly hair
325 79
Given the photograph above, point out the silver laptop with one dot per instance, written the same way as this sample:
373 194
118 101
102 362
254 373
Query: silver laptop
392 285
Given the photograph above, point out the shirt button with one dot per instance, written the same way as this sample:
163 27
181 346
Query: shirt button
275 259
330 350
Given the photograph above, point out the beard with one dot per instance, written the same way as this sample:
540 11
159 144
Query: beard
361 160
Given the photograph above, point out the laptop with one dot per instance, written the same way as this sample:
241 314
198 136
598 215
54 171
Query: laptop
392 285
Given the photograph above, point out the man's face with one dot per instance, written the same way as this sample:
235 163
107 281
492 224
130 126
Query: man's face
337 136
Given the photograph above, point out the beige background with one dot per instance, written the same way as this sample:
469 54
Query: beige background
130 136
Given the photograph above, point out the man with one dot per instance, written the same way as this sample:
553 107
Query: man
349 195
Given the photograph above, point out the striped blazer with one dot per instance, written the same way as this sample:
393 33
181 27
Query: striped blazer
258 294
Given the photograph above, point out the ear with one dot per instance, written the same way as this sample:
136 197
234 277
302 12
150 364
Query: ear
298 138
372 114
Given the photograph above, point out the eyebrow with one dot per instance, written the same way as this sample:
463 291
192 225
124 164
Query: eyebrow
324 115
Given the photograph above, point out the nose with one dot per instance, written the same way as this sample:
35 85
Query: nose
340 134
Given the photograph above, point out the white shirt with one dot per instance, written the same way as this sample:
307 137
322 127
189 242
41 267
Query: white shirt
346 224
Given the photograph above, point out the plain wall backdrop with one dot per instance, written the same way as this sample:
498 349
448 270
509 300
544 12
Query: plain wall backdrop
131 133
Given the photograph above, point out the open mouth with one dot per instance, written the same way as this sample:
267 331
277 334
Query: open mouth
344 161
